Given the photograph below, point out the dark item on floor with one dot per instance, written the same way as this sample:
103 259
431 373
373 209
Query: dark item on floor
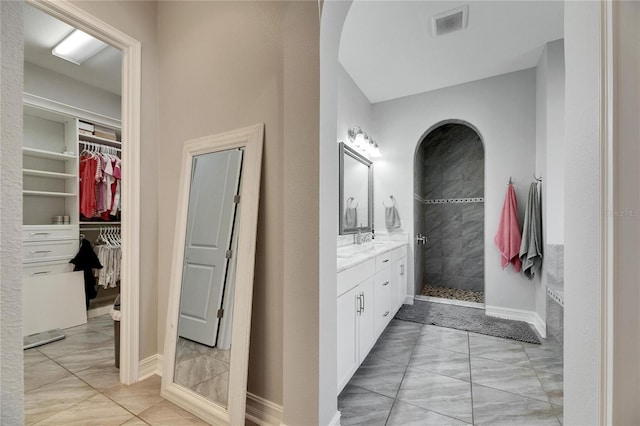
42 338
467 319
85 261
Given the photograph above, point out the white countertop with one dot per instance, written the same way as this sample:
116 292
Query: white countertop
351 255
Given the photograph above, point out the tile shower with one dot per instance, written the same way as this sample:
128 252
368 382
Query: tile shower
449 207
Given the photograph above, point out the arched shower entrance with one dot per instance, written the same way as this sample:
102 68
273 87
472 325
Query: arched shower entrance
449 212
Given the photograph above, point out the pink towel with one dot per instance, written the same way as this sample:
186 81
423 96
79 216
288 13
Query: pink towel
508 236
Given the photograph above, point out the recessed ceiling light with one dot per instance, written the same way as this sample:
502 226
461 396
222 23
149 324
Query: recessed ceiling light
77 47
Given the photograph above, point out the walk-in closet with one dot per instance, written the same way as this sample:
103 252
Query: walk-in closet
72 204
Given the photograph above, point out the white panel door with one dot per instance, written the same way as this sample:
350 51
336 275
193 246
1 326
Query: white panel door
214 184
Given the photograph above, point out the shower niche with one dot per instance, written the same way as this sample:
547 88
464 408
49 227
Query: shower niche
449 207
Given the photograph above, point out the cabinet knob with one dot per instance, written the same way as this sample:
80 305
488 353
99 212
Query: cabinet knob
386 314
386 283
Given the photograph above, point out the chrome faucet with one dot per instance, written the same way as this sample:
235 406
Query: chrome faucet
361 238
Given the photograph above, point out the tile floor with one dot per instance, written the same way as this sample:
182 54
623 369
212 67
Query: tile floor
74 382
427 375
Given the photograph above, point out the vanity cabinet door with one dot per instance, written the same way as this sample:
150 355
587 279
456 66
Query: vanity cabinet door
366 319
385 299
400 282
347 342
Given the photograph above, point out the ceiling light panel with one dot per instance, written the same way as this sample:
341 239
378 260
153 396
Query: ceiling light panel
77 47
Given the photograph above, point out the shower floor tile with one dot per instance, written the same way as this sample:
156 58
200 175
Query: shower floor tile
453 293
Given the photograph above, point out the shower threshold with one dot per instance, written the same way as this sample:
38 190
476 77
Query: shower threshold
453 294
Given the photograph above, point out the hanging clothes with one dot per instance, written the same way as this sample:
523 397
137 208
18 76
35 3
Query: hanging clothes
100 176
508 238
86 260
531 247
109 253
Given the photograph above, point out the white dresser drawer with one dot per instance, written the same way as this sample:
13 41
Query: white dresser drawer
353 276
47 251
383 260
46 268
49 232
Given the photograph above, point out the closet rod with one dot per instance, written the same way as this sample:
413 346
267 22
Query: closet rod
99 146
99 228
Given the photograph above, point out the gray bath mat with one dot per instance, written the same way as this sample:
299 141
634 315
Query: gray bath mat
467 319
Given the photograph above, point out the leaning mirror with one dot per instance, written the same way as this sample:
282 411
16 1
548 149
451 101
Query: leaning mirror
209 314
356 192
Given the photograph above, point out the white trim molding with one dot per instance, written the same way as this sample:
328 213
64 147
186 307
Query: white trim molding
335 421
608 154
262 411
130 228
150 366
530 317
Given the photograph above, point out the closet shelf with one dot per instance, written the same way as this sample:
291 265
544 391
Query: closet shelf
48 193
97 223
41 153
97 139
44 173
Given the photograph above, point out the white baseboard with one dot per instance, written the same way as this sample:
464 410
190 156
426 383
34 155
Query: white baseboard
530 317
150 366
408 300
263 412
335 421
540 325
101 310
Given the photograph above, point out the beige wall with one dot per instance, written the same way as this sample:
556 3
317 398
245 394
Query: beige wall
222 66
138 19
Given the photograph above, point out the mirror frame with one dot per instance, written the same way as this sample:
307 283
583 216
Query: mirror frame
251 139
347 150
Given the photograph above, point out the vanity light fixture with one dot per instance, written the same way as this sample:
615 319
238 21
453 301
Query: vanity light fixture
77 47
359 140
374 150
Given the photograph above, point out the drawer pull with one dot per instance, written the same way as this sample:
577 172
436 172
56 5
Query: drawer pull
40 273
386 314
386 283
39 251
385 261
33 234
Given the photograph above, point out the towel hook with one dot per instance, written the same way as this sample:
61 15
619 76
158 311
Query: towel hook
538 179
510 181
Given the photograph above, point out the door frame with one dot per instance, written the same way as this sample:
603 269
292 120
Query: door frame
130 227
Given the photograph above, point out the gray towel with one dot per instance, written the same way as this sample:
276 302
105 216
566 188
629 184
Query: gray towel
351 213
351 217
391 217
531 246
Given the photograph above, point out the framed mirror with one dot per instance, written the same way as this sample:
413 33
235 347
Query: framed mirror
356 192
211 284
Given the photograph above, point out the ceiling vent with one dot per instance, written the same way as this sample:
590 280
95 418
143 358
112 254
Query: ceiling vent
450 21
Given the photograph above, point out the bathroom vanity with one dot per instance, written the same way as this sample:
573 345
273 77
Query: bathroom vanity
372 284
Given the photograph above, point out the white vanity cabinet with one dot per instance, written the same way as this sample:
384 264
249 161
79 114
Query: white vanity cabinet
369 294
400 276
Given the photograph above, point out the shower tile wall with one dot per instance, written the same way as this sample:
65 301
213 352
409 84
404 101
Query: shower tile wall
453 167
